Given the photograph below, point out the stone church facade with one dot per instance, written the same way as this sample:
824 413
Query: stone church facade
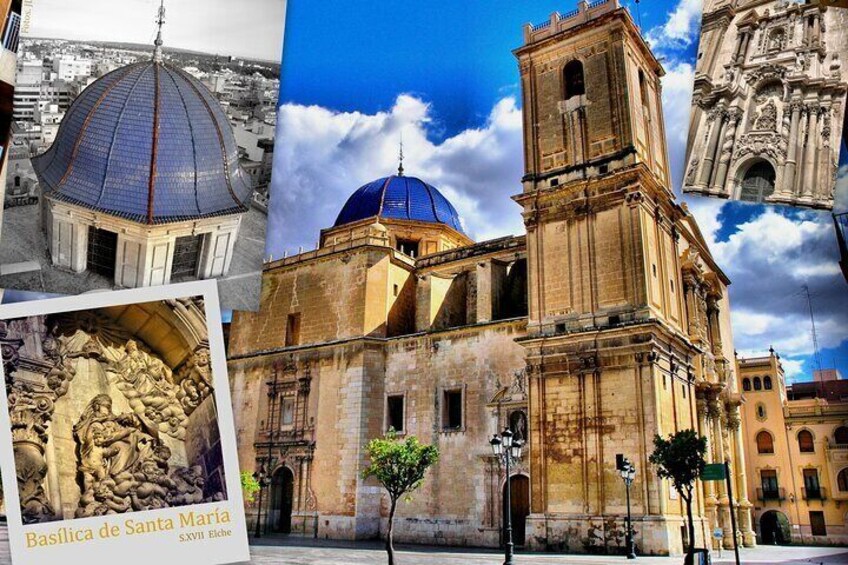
769 102
607 323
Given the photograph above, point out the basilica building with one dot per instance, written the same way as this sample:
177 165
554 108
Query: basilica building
769 102
606 323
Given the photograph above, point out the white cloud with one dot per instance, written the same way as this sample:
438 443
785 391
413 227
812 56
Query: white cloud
680 28
769 259
322 157
677 87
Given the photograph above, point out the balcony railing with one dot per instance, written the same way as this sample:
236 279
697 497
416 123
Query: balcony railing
777 494
12 33
813 493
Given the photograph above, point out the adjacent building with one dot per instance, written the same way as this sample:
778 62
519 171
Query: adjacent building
769 102
796 437
606 323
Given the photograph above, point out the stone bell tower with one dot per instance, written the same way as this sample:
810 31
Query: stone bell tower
615 344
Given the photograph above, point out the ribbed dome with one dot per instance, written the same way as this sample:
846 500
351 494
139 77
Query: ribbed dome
399 198
147 142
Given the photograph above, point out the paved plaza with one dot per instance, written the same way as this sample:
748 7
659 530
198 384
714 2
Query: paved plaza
299 551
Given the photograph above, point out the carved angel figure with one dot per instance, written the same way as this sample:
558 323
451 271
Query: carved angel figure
189 485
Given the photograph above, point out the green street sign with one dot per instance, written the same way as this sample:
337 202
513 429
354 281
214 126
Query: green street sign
713 472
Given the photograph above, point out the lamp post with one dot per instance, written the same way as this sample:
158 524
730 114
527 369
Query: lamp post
628 472
506 451
261 476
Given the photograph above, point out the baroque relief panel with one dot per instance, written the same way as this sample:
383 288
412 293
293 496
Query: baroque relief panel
769 103
112 410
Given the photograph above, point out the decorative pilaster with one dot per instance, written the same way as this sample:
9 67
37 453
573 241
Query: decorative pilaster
717 117
810 152
788 185
733 117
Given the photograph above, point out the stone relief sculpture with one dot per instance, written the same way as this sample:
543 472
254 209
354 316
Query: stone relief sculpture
149 386
195 380
123 432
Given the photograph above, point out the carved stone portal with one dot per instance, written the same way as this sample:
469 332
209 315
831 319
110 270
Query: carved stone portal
102 419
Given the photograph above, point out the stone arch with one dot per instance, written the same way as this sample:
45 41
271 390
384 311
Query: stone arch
573 79
775 528
806 440
281 501
755 173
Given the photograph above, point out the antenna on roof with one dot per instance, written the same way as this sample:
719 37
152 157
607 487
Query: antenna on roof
806 290
638 16
400 156
160 19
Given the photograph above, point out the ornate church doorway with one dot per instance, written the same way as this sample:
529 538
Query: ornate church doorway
520 506
282 493
758 182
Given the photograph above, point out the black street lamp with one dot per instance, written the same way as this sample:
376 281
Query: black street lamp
506 451
628 472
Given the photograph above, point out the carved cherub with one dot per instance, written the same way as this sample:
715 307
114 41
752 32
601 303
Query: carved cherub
189 485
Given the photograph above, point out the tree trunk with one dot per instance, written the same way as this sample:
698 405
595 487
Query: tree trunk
691 524
390 549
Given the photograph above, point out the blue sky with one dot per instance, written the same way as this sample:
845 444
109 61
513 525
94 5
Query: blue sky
359 75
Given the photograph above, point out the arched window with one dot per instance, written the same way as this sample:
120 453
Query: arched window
758 182
805 441
840 436
842 480
573 75
746 384
17 181
767 382
765 443
761 411
758 385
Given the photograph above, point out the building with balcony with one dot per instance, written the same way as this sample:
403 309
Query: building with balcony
796 439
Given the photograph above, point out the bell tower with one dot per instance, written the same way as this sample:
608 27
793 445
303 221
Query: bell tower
610 362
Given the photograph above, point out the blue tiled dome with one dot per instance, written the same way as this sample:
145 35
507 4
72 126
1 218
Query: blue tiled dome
399 198
147 142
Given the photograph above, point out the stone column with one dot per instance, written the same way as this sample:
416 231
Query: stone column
717 117
824 179
733 116
788 185
810 152
743 516
710 501
714 409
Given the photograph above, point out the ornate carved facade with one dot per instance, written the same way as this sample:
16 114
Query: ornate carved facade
769 102
100 422
606 324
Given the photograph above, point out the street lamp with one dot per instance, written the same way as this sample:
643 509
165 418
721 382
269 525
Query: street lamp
507 450
628 473
261 476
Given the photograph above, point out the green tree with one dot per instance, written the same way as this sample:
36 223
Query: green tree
399 465
680 458
249 485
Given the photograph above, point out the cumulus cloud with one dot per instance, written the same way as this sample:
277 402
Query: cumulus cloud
322 157
677 87
769 259
680 28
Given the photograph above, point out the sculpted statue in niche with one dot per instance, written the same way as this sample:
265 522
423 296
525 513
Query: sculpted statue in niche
767 117
148 385
777 40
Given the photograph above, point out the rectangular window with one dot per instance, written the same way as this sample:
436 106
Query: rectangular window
287 412
407 247
395 412
293 330
817 526
812 489
452 409
768 479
